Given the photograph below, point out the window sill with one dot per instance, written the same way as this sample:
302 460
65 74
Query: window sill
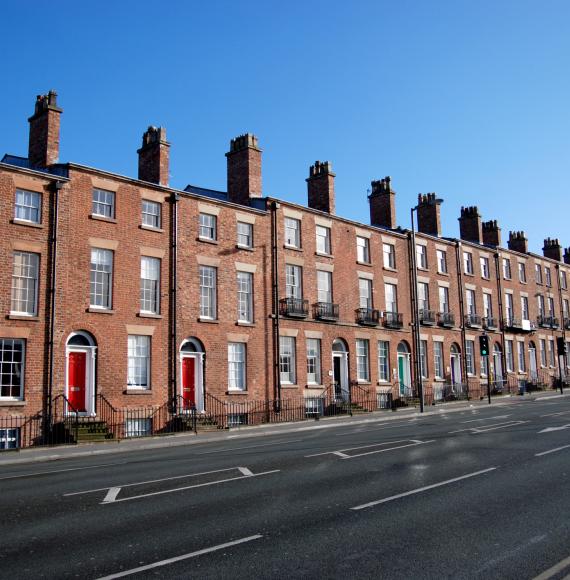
207 241
245 248
236 392
314 386
444 274
135 391
8 403
324 255
363 263
208 320
102 218
18 222
148 315
151 229
294 248
289 386
100 310
363 382
23 317
246 324
388 269
469 274
422 269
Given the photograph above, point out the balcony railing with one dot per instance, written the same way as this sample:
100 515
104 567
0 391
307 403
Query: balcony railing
489 323
473 320
294 307
547 321
427 317
325 311
447 319
517 325
393 320
368 316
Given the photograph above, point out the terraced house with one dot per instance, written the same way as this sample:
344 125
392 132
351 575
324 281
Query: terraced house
128 302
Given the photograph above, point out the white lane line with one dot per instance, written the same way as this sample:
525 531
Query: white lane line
112 494
559 428
484 429
341 452
421 489
413 444
247 447
152 481
357 448
551 572
165 491
556 414
36 473
486 418
552 451
181 558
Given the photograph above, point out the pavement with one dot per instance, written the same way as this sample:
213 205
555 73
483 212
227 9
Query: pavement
462 491
54 453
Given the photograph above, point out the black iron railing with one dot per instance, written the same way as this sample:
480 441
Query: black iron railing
368 316
393 320
447 319
473 320
427 317
294 307
547 321
489 323
325 311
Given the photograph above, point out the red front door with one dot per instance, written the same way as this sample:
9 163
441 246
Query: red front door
188 382
76 380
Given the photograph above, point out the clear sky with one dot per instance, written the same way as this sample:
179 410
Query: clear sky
467 98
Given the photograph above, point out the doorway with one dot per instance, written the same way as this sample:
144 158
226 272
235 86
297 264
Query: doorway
192 375
404 369
456 375
80 356
340 369
533 368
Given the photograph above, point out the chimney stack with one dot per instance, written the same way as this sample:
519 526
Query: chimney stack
491 233
518 242
43 147
470 228
552 249
154 156
320 187
383 204
429 218
244 169
567 256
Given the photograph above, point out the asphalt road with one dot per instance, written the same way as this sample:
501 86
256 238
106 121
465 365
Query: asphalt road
476 493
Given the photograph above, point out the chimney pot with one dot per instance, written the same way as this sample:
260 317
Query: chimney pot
470 227
383 203
320 187
43 149
552 249
154 156
244 169
429 214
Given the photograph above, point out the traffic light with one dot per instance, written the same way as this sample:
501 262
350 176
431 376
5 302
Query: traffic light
484 345
561 345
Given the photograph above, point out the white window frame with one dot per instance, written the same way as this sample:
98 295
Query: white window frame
443 295
551 353
28 206
522 272
324 286
485 271
208 292
151 214
509 356
421 256
389 256
441 261
543 359
101 276
487 305
424 369
521 356
313 361
423 295
208 227
103 203
391 306
237 366
525 315
245 296
293 281
138 361
383 361
292 232
538 273
547 276
362 250
438 360
14 369
470 357
244 235
25 279
507 271
468 263
323 240
362 360
150 285
287 360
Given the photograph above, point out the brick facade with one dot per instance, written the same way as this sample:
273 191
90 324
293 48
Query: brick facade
197 236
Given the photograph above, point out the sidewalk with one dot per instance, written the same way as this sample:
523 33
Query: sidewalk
44 454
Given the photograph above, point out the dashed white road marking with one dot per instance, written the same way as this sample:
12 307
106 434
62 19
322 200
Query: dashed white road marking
486 418
341 452
484 429
559 428
181 558
421 489
230 449
556 414
552 450
556 569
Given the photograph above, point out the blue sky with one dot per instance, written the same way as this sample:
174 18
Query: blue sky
466 98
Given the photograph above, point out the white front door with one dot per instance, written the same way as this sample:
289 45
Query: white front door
456 368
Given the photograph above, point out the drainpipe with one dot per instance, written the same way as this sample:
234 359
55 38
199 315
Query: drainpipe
501 315
275 315
561 359
418 380
57 185
174 199
459 265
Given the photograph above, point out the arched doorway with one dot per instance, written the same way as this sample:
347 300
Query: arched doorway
404 374
80 359
532 363
340 369
498 366
192 375
456 375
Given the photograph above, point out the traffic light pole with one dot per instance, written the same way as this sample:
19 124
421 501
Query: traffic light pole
488 379
484 352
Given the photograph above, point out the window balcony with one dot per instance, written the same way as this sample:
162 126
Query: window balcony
447 319
517 325
367 316
427 317
547 321
294 307
393 320
473 321
489 323
325 311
